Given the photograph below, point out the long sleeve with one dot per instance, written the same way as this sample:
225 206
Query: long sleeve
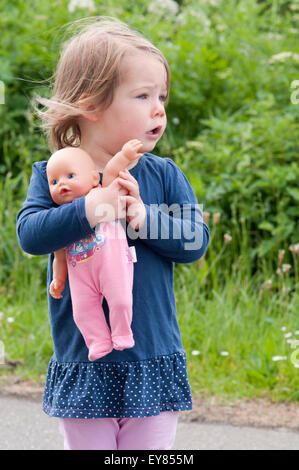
174 228
43 227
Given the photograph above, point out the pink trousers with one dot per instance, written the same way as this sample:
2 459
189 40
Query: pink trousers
151 433
102 266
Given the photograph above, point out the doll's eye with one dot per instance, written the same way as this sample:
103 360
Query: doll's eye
54 182
71 176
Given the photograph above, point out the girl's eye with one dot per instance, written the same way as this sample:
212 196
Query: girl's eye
142 97
71 176
162 98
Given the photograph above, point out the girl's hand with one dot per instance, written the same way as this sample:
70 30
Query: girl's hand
136 212
104 204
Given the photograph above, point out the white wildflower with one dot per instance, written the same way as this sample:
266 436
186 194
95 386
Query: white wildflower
294 248
74 4
206 217
283 328
176 121
221 27
281 57
227 238
275 36
165 7
268 284
280 257
224 353
224 74
288 335
286 268
10 319
195 353
296 332
216 217
1 315
279 358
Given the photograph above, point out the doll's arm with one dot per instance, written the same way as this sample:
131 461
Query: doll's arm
121 160
59 274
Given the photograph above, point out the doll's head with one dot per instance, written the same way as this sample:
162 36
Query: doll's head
71 173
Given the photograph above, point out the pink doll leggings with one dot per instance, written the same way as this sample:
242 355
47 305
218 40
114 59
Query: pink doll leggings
150 433
102 266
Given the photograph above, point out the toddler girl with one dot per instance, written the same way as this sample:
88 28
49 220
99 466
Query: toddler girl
99 265
111 86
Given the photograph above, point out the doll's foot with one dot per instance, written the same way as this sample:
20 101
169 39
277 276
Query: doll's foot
99 350
123 342
131 148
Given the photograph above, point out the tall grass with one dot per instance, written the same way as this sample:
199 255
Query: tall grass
238 330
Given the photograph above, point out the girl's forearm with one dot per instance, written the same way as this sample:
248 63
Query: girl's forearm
180 237
45 231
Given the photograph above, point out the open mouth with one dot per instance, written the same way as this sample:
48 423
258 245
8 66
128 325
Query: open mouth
64 191
154 131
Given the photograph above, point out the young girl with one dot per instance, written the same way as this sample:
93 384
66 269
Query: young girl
112 86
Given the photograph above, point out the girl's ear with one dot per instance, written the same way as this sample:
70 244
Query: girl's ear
89 110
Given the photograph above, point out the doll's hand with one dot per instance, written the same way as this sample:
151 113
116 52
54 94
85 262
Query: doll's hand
136 212
56 288
131 148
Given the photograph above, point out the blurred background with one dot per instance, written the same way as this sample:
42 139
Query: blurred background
233 129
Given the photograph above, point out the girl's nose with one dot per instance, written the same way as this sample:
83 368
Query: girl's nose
158 108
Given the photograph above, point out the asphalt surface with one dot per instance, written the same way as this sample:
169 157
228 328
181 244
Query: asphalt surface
24 426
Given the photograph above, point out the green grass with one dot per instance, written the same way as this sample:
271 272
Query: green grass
243 318
249 323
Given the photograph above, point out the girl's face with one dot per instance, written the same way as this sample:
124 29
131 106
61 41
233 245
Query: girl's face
137 110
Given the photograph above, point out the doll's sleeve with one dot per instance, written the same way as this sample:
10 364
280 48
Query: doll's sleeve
43 227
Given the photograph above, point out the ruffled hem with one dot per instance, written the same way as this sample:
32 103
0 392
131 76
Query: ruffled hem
117 389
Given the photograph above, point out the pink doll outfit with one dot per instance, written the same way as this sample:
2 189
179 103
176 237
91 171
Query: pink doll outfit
101 265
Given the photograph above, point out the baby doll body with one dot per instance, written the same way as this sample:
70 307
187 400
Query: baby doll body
100 265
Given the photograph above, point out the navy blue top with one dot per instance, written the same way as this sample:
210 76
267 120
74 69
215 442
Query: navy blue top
152 376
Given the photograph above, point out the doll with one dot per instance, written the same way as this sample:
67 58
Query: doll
99 265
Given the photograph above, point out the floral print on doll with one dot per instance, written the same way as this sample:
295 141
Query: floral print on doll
83 250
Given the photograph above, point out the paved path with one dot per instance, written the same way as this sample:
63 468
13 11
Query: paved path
24 426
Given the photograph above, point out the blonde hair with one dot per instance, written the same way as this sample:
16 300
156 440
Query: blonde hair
90 65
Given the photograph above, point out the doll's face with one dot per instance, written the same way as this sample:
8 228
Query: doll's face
71 174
